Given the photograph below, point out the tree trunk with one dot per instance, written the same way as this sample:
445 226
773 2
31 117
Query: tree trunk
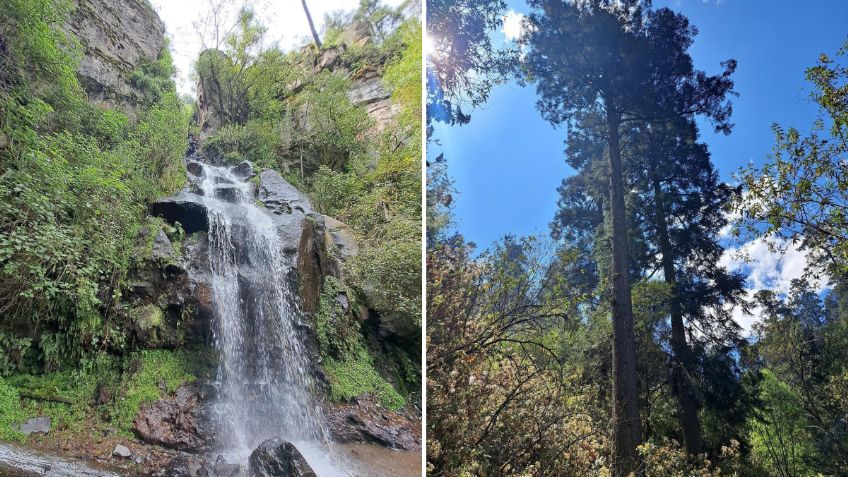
311 25
625 407
681 360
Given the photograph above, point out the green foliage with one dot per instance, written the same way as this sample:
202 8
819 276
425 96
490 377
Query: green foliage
76 180
349 366
779 438
667 459
404 76
801 193
155 78
338 332
257 141
355 375
11 414
150 375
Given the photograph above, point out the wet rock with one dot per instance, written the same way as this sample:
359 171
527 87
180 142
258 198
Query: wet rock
187 465
162 249
278 458
228 194
187 209
244 170
195 168
365 420
175 422
122 451
36 425
279 196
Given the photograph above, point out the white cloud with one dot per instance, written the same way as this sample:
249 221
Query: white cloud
767 269
286 22
512 25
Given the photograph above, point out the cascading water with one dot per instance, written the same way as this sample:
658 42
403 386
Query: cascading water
264 382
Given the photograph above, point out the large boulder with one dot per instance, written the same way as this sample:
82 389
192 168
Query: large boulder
177 422
342 237
280 197
162 248
185 208
244 170
278 458
365 420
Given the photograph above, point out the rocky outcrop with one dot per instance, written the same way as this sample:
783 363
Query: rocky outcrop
342 237
278 458
185 208
117 36
210 100
365 420
279 196
316 259
167 296
177 422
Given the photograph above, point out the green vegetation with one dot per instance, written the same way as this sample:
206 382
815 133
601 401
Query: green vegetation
150 375
350 367
355 375
11 414
104 389
76 179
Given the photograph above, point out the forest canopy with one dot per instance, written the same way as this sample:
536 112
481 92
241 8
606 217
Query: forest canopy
613 345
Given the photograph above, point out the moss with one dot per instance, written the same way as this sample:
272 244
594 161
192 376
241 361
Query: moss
11 413
349 365
148 316
355 375
152 374
338 331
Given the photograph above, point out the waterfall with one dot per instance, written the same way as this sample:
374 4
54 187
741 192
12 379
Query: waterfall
265 387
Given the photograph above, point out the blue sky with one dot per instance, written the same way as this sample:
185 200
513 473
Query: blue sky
507 162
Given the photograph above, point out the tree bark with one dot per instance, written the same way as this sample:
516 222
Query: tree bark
311 25
625 410
681 359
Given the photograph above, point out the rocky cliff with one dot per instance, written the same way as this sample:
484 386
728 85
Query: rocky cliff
117 37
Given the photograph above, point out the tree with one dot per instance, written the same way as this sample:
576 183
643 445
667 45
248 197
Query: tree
801 194
627 71
464 64
315 36
601 66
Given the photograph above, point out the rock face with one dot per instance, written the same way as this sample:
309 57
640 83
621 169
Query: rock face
117 36
278 458
176 422
279 196
168 296
365 420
